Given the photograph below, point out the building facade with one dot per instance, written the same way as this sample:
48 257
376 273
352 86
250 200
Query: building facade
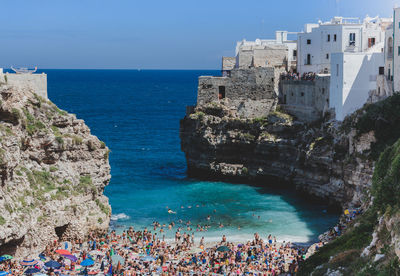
319 41
353 80
278 52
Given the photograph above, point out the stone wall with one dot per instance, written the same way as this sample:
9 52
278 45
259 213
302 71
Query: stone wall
305 99
273 55
37 83
252 92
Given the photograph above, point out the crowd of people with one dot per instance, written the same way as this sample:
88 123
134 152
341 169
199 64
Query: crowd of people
296 76
143 253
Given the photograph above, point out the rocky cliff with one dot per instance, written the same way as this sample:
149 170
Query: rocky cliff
322 160
353 163
52 174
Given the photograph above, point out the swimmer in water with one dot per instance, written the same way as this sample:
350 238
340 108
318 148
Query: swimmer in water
171 212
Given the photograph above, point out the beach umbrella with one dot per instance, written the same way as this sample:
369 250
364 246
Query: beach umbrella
195 250
31 271
87 262
53 264
30 262
3 273
2 259
117 258
7 257
63 252
223 248
147 259
102 266
96 253
71 257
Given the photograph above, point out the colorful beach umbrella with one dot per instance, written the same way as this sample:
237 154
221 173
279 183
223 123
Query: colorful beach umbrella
7 257
87 262
29 262
117 258
63 252
71 257
96 253
31 271
223 248
52 264
147 259
3 273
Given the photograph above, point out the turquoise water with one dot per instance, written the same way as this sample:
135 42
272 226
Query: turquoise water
137 114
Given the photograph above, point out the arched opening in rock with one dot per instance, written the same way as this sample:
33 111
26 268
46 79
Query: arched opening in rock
61 230
11 247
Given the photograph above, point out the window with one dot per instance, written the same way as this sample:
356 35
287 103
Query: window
308 61
327 56
309 41
381 70
399 25
323 91
329 37
352 39
294 53
371 42
221 94
337 70
302 94
334 37
398 51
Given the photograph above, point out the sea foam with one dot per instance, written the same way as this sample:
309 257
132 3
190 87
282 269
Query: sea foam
120 216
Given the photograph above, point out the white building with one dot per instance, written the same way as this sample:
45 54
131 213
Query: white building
319 41
267 52
396 50
353 79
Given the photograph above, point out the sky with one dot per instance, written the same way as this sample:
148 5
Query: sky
153 34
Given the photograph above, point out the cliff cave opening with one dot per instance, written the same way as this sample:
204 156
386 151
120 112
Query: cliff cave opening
10 247
60 230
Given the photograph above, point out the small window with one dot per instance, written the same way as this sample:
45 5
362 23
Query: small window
334 37
329 37
327 56
294 53
323 91
337 70
399 25
381 70
302 94
308 61
221 92
352 39
308 41
292 94
398 51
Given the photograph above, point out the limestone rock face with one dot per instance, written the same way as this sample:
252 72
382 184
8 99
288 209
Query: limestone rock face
52 175
321 160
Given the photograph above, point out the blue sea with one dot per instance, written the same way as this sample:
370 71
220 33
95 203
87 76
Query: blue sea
137 113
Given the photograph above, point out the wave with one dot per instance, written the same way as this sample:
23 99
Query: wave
121 216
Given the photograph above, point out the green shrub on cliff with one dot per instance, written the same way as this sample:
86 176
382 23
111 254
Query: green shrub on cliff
384 119
2 221
386 179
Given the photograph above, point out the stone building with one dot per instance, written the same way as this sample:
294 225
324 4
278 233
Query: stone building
278 52
253 91
307 100
35 82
